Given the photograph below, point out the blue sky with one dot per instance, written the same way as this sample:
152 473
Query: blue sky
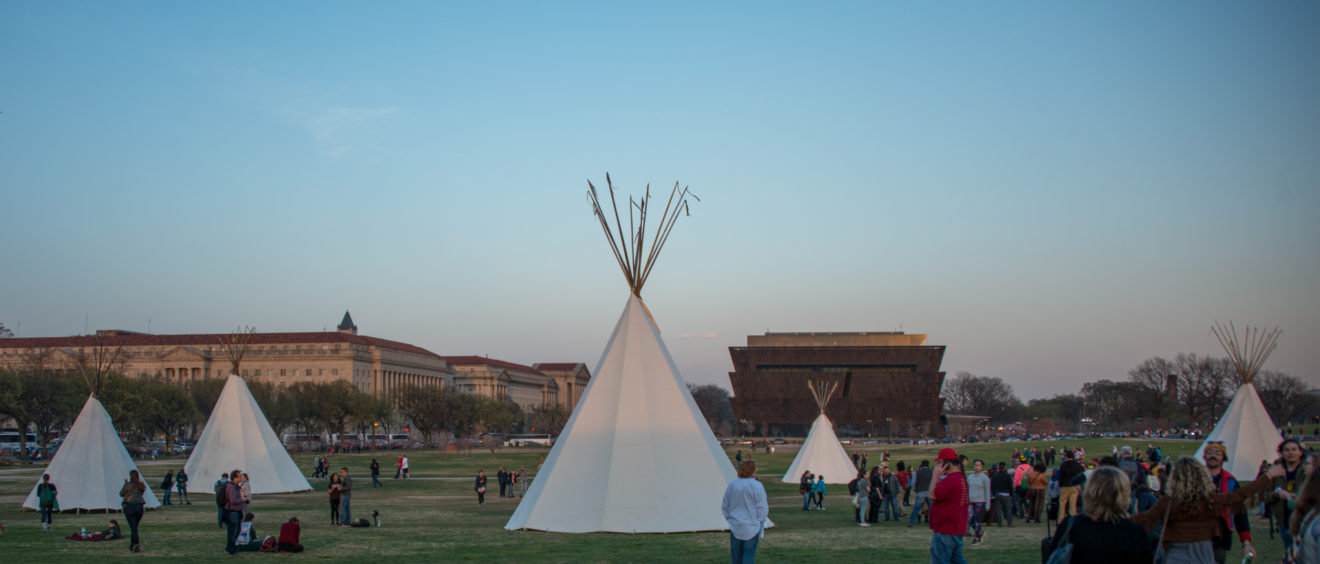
1054 192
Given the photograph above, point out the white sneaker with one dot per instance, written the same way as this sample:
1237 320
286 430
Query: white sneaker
864 524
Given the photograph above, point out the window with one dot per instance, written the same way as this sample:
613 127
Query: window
334 371
309 371
281 372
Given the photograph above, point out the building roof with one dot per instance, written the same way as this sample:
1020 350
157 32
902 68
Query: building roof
557 366
481 360
114 337
347 323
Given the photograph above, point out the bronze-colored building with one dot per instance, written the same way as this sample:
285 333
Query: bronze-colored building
888 383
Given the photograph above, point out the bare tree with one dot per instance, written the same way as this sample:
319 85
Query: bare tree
5 333
1204 386
989 396
1286 398
1152 380
713 401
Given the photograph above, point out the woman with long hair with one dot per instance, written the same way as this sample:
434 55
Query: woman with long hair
1283 495
1194 507
335 488
134 507
1038 480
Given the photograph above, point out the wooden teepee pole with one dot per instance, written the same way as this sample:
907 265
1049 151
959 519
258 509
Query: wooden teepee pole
637 261
1248 355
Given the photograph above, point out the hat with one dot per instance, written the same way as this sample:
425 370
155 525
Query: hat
1216 445
947 453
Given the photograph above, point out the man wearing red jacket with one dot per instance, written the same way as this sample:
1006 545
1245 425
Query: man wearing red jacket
1233 519
948 509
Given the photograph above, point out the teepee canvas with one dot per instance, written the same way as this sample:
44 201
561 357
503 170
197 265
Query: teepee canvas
1248 433
237 436
91 465
822 454
636 455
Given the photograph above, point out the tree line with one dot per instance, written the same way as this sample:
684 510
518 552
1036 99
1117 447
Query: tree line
49 401
1188 391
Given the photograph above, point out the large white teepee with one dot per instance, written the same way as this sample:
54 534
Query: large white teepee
91 465
636 455
237 436
1248 433
822 454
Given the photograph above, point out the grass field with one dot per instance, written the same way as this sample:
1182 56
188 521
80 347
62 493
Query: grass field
435 517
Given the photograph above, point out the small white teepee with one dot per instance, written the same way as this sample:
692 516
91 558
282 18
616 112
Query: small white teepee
822 454
91 465
1248 433
636 455
237 436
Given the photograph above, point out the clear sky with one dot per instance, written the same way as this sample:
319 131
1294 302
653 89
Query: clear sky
1055 192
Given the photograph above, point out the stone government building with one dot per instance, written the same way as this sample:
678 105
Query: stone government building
372 365
889 383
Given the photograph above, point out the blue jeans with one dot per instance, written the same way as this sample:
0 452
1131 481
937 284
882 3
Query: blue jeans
977 512
890 506
375 480
344 514
233 522
806 500
922 498
743 551
946 549
167 496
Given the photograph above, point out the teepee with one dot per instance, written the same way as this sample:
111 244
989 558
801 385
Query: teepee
237 436
92 464
1246 429
636 455
822 454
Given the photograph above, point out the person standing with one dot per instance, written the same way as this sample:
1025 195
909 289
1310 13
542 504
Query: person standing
404 465
805 487
503 478
522 481
863 497
903 480
233 510
921 483
334 490
1069 492
819 490
245 488
480 487
1285 490
1194 509
1102 533
181 483
375 473
890 490
345 495
1235 518
47 500
398 467
948 509
1001 485
746 508
978 495
133 505
167 485
1305 526
220 498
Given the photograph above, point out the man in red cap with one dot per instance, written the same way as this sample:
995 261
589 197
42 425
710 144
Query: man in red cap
948 509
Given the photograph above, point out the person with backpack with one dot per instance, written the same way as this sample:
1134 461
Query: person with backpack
167 485
233 511
1069 492
220 498
1135 473
805 488
1101 533
862 496
921 483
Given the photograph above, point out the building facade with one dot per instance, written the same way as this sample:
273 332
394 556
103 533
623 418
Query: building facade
370 364
889 383
542 385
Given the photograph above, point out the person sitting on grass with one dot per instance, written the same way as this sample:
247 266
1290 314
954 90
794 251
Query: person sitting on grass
248 539
290 535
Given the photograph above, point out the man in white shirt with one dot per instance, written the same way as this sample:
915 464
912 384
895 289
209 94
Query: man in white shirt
745 508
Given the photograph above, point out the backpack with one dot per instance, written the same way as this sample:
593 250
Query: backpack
1061 554
1053 489
852 488
271 544
1153 482
220 494
1131 468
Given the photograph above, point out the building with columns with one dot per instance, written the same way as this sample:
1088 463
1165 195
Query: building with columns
372 365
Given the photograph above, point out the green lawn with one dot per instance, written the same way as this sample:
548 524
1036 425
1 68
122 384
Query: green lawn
436 517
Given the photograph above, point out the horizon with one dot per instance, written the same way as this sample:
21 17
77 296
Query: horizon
1053 193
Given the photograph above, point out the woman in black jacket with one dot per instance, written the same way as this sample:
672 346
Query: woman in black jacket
1102 533
480 487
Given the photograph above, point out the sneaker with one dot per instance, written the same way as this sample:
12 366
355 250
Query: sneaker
976 542
864 524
